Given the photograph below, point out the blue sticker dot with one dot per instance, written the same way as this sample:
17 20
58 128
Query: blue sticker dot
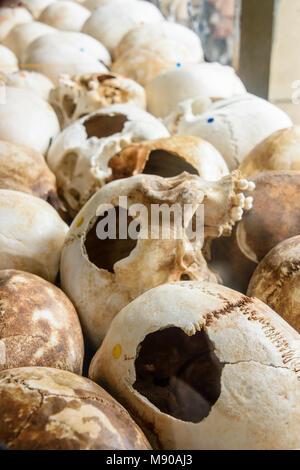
81 49
210 120
178 64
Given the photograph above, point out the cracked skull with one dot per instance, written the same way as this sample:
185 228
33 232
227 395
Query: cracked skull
101 273
233 126
201 366
39 325
276 280
49 409
76 96
80 155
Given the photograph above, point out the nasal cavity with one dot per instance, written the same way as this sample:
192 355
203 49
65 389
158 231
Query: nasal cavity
179 374
166 164
104 253
103 125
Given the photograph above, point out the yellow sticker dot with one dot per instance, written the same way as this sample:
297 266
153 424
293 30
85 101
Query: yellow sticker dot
116 352
80 222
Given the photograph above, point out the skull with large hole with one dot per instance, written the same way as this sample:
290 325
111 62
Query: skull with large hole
104 267
201 366
80 155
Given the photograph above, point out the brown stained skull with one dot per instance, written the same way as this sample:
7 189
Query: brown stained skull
101 276
79 95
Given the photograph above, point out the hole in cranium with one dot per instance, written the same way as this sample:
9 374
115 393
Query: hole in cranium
69 105
105 253
179 374
166 164
68 164
103 125
185 277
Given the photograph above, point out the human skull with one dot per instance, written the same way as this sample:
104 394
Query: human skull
110 22
39 325
76 96
144 37
201 366
22 35
142 64
234 126
35 7
8 60
275 216
27 119
276 280
49 409
33 81
65 15
66 52
101 276
9 17
279 151
23 169
169 157
32 234
80 155
206 80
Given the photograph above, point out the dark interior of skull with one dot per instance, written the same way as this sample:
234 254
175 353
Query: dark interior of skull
179 374
69 105
166 164
105 253
103 125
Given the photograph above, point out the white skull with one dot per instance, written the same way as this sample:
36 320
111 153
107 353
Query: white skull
279 151
200 366
31 234
208 80
36 82
66 53
65 15
8 60
27 119
109 23
79 95
9 17
234 126
35 7
22 35
80 155
92 4
145 36
102 276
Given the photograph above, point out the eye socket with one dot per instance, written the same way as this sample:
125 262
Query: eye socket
105 253
166 164
103 125
185 277
179 374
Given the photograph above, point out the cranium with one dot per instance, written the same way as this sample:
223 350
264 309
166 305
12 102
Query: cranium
8 60
233 126
80 155
33 81
27 119
39 325
76 96
92 4
65 15
9 17
51 409
201 366
66 52
109 23
32 234
35 7
102 276
169 157
144 37
276 280
22 35
279 151
207 80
